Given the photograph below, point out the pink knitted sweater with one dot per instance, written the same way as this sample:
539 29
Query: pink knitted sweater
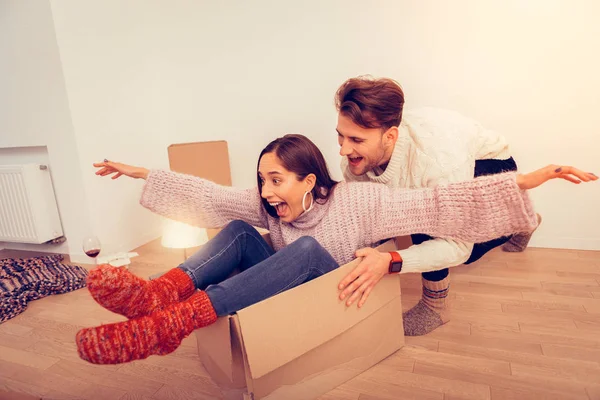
357 214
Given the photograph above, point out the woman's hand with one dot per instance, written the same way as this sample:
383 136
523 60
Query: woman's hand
109 167
536 178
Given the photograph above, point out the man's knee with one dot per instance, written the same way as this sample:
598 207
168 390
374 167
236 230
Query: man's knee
481 249
435 276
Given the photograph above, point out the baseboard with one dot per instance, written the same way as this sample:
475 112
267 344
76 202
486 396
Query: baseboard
18 396
144 239
60 248
82 258
570 243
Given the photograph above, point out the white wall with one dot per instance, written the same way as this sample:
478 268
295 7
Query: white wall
34 112
141 75
110 75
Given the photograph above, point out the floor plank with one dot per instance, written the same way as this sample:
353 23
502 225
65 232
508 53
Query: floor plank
523 326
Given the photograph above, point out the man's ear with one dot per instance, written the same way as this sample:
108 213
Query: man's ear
390 136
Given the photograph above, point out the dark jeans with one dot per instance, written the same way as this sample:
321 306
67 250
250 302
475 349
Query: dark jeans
482 167
262 272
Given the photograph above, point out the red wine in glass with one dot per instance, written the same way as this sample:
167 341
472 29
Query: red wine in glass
93 253
91 246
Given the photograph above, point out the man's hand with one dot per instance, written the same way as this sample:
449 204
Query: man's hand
359 283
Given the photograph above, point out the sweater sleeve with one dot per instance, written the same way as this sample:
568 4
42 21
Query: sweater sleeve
435 254
439 253
477 210
200 202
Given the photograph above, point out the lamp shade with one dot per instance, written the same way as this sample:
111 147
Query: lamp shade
178 235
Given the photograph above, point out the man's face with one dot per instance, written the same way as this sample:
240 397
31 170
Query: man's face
366 148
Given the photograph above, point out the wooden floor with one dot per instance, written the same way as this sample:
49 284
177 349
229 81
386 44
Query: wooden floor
524 326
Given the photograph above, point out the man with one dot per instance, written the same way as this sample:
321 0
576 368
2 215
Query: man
421 148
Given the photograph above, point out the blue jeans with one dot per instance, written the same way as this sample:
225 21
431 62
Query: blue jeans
262 272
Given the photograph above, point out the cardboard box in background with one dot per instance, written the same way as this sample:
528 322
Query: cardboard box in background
208 160
303 342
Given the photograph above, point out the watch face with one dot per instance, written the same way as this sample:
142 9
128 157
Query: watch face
396 267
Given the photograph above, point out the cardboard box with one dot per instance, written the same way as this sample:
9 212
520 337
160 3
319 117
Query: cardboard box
303 342
208 160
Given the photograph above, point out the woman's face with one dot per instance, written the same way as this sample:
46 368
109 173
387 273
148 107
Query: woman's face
282 189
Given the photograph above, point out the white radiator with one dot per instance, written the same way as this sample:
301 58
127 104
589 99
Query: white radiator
28 209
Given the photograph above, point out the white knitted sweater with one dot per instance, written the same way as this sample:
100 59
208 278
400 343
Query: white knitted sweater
435 146
356 215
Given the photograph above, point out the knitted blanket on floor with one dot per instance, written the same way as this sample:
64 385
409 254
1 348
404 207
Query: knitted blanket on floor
26 279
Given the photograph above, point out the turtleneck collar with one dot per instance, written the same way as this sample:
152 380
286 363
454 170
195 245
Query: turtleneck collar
310 219
398 155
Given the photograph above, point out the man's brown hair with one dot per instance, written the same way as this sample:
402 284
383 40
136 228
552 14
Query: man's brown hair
371 102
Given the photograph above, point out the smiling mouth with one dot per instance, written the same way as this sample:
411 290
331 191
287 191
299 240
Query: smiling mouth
354 161
280 206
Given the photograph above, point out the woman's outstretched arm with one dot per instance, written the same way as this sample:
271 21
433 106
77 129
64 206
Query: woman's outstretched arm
190 199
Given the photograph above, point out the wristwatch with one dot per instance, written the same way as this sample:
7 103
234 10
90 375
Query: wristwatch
395 263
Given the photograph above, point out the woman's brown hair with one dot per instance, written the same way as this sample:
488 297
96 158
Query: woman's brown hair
301 156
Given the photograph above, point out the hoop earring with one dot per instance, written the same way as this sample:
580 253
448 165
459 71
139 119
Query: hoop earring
312 201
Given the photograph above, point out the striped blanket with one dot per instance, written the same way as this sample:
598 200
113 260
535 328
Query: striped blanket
26 279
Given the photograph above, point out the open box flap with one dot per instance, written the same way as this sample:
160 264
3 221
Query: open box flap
281 328
237 333
338 360
214 348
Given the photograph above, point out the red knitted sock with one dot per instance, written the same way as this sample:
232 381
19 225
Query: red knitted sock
159 333
119 291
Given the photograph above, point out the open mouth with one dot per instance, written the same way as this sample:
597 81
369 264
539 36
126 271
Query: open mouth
281 208
354 161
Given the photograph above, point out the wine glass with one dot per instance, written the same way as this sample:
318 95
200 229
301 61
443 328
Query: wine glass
91 246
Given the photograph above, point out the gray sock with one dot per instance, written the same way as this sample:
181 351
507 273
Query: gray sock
420 320
519 241
431 311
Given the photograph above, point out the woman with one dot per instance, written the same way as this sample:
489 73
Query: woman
315 224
